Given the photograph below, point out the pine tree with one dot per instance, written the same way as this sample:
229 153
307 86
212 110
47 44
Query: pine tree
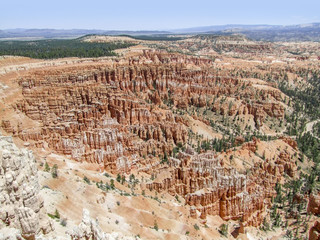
123 179
112 184
118 178
57 214
54 171
46 167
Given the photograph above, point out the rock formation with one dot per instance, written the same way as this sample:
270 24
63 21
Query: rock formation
90 229
211 188
314 233
128 115
118 115
21 213
114 114
314 204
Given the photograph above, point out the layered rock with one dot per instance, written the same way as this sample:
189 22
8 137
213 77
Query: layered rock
117 112
21 206
210 187
314 232
257 108
232 45
314 204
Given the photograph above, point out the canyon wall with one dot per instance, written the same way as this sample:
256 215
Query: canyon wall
211 188
116 113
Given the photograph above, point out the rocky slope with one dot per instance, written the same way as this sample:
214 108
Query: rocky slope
22 213
116 114
211 187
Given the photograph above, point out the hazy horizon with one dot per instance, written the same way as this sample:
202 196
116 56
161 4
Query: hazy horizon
146 15
160 30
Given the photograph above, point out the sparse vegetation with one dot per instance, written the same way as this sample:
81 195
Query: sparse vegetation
155 226
46 167
224 230
56 215
118 178
196 227
54 171
112 184
86 179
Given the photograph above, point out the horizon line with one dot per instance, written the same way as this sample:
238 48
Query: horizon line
158 30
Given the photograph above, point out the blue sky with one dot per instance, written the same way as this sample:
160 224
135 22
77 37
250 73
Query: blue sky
153 15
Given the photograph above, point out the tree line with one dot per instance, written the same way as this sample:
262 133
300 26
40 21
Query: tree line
50 49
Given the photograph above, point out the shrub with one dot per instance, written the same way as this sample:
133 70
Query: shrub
54 171
63 222
132 177
224 229
156 226
57 214
118 178
87 180
112 184
196 227
46 167
123 179
265 225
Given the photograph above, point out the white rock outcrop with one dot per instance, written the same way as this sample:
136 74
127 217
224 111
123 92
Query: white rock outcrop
90 229
21 208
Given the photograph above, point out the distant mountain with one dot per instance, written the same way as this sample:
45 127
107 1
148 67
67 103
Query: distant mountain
21 33
262 32
217 28
301 32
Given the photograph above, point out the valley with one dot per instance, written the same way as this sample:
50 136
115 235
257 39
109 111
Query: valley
197 137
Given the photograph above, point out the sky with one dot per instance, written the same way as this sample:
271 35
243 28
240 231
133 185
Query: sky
153 15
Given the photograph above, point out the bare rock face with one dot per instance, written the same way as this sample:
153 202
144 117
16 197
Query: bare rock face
87 229
90 229
210 188
314 204
314 233
117 112
21 207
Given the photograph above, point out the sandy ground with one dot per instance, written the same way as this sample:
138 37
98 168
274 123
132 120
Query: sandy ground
309 127
203 129
131 215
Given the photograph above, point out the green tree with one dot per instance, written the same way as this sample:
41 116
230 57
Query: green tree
224 229
118 178
196 227
112 184
132 177
155 226
123 179
54 171
87 180
57 214
46 167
